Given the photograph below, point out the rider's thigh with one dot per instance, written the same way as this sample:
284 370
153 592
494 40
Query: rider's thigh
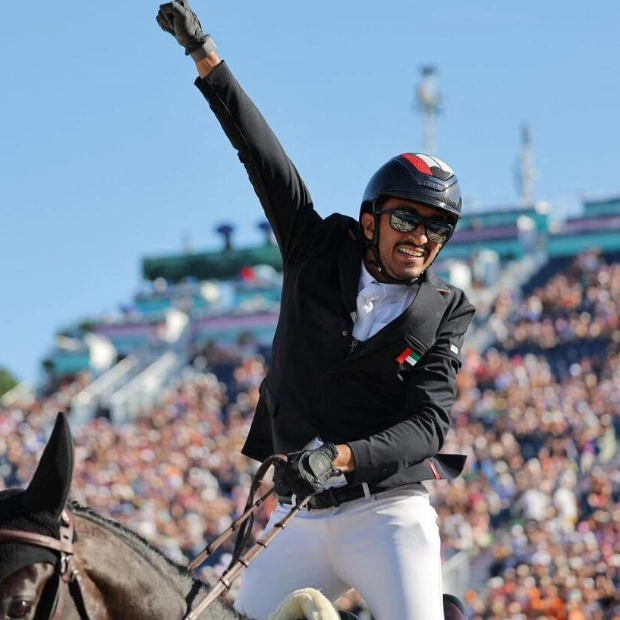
388 548
297 557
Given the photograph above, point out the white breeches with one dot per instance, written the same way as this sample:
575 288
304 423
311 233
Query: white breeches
387 547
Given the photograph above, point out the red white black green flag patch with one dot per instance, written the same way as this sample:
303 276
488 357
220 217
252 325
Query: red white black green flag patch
409 356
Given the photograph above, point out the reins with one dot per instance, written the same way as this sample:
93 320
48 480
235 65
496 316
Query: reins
245 521
244 524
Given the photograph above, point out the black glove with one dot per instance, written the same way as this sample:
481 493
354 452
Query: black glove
183 24
306 472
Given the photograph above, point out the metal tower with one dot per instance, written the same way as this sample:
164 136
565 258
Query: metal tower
428 102
526 173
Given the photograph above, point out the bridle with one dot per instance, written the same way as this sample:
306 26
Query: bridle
52 600
66 572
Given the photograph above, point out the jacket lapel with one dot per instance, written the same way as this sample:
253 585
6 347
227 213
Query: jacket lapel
421 319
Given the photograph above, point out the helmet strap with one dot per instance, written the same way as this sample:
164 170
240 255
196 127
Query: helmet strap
374 246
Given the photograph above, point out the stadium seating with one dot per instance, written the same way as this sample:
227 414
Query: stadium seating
532 530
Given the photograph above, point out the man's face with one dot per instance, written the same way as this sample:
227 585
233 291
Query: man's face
404 255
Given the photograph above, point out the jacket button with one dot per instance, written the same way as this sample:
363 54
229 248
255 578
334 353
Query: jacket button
345 333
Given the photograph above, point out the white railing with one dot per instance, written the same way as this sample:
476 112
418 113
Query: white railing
455 572
512 277
86 402
143 390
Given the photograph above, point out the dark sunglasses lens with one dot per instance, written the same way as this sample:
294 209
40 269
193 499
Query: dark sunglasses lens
438 232
403 221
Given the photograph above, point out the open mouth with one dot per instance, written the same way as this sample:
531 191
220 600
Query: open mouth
411 252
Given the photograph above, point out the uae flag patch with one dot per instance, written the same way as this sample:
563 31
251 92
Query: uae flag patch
409 356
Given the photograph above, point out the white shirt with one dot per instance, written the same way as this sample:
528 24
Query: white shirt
396 299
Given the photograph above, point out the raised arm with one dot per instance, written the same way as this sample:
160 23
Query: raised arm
277 183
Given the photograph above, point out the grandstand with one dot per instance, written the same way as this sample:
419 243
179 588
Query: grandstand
161 394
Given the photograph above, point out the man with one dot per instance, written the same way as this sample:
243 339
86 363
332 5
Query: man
360 387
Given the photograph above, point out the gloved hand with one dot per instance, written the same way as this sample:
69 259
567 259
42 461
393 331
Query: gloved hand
306 472
183 24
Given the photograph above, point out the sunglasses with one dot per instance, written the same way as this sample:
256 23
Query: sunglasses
404 221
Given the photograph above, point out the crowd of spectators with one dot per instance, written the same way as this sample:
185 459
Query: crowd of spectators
580 303
537 511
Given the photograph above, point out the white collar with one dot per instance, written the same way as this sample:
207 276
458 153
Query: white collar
365 278
393 291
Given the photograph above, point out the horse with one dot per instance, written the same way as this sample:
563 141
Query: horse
63 561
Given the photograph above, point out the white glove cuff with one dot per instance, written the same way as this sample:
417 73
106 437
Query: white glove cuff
204 50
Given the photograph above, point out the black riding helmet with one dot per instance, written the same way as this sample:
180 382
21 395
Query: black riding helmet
411 176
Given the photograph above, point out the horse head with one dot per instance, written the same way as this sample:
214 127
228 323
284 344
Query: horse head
32 529
38 508
63 561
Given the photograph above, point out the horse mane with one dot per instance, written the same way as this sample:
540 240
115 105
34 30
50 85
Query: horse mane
132 538
137 542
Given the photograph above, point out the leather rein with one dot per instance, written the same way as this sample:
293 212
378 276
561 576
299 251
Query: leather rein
240 560
66 572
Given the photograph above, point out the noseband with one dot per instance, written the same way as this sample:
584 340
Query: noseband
66 571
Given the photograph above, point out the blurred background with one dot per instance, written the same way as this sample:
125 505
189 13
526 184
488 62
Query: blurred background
141 285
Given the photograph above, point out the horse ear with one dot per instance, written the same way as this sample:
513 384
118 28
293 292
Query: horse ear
49 488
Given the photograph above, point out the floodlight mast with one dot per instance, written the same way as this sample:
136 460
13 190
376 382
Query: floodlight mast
428 102
526 174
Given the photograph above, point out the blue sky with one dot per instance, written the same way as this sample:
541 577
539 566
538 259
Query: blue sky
109 154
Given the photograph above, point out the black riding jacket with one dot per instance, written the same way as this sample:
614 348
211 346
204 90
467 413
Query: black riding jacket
393 415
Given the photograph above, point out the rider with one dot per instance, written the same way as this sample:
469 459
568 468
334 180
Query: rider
361 383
